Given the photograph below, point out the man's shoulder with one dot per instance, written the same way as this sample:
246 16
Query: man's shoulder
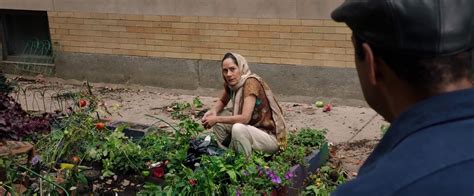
454 179
429 157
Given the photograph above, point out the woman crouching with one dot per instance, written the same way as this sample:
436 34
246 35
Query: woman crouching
257 120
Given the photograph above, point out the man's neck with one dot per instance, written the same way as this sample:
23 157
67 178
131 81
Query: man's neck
401 100
459 85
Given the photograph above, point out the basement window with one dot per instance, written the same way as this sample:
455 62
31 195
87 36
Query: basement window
25 37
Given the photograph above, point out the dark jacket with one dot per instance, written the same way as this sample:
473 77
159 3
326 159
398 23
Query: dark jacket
428 150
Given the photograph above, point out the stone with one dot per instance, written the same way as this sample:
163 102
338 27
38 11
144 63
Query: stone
125 182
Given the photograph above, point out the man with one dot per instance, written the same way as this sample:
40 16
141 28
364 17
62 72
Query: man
414 61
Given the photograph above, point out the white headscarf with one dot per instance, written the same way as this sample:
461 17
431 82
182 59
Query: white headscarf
244 71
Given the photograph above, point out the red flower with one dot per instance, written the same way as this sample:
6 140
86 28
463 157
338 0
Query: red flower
158 172
192 182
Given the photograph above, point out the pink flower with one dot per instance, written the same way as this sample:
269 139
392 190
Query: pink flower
289 175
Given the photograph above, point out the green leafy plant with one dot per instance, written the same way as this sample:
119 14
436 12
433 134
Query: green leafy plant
197 103
118 153
8 173
325 180
308 137
180 110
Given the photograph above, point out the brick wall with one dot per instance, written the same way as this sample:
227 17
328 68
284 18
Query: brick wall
280 41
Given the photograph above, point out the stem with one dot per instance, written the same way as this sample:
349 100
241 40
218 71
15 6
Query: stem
177 131
89 88
130 161
41 187
36 174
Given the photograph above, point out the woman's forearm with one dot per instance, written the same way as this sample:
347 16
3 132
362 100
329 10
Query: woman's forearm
233 119
244 118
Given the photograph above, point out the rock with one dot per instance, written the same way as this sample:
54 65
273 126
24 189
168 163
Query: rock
109 181
132 184
115 177
96 187
125 182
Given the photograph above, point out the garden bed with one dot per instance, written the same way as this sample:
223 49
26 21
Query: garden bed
80 154
301 172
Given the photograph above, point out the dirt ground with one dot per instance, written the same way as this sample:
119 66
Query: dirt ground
352 130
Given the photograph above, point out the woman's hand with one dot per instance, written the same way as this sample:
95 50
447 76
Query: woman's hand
208 113
209 120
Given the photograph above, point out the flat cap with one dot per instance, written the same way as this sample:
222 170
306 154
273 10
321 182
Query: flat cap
416 27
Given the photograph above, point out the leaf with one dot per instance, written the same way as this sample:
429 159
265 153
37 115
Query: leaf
325 169
81 178
197 102
15 123
232 175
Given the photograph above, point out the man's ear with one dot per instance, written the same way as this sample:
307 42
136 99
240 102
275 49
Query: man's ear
371 64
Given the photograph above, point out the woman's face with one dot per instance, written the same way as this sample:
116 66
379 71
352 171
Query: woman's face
231 72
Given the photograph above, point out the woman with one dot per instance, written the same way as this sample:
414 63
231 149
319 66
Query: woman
256 121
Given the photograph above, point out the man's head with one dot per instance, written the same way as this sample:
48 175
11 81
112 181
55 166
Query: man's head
423 46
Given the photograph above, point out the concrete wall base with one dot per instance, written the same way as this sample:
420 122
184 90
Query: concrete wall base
287 80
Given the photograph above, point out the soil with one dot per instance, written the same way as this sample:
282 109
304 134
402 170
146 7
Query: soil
353 154
353 130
